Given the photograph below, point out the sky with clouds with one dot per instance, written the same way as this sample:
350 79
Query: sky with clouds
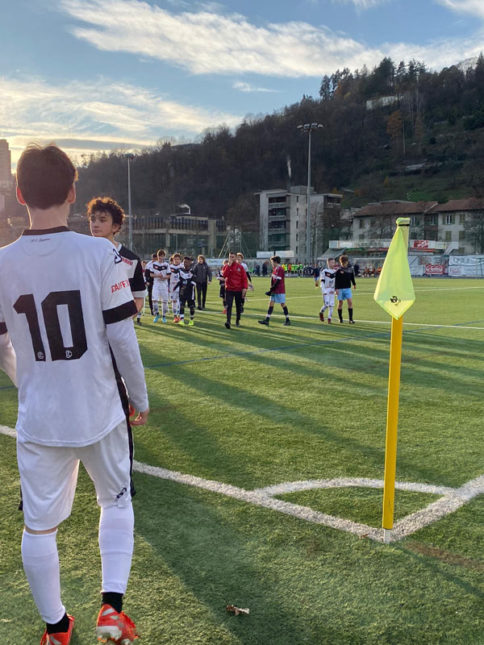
124 74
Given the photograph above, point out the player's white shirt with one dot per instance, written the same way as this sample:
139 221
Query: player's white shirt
174 279
58 291
160 269
160 287
326 280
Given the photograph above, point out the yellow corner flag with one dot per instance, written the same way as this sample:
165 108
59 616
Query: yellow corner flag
394 290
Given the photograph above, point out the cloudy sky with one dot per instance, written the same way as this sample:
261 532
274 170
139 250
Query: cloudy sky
123 74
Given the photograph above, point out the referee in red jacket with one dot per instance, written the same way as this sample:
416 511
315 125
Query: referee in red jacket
236 285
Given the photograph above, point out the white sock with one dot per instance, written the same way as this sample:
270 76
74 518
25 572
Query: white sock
116 541
165 308
41 566
330 314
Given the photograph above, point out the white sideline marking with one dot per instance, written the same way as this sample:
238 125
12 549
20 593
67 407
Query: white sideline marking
451 500
315 318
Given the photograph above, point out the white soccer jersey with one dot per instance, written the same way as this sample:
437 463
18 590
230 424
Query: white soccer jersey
160 287
326 280
58 291
134 271
174 279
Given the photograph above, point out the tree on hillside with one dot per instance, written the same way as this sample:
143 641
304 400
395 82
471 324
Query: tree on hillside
395 130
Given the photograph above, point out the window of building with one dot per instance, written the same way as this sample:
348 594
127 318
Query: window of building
275 200
449 219
448 236
462 236
462 218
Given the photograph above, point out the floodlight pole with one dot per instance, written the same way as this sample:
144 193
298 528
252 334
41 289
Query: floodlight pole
308 128
129 157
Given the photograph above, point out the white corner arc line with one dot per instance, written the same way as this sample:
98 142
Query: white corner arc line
451 500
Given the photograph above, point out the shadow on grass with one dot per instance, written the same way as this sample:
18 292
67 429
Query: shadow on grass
274 410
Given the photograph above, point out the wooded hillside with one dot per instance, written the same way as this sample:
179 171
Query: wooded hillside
395 132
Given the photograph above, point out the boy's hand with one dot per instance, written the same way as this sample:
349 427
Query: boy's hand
140 419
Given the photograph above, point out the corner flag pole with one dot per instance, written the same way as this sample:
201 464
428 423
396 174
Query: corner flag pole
394 293
392 425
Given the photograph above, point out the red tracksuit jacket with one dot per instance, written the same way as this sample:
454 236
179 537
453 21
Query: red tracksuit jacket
235 277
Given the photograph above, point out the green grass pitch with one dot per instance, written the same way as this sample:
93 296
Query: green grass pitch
255 407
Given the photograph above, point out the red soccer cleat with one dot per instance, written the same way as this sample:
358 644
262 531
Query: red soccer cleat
113 627
321 316
61 638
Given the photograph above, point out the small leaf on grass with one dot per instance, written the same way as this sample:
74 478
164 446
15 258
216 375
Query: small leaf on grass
237 610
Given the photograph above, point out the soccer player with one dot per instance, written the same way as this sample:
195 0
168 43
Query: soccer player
62 324
344 278
236 284
149 280
186 289
221 280
277 292
174 290
161 276
240 260
140 311
106 218
326 280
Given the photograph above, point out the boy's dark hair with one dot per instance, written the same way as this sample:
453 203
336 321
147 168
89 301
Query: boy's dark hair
176 255
343 259
276 258
160 252
106 205
154 256
187 257
45 175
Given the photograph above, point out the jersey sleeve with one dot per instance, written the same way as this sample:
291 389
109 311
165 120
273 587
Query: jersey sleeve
116 297
8 359
137 282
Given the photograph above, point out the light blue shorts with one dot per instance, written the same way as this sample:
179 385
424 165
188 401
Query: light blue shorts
344 294
280 298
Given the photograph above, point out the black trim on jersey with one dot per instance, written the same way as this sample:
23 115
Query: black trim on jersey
123 395
46 231
136 281
3 328
121 312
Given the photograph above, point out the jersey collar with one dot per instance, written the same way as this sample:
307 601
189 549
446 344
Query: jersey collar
45 231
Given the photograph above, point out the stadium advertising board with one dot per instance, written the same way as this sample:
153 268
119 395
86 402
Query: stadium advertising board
435 269
466 266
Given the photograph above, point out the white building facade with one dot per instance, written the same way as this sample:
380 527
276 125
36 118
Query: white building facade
283 220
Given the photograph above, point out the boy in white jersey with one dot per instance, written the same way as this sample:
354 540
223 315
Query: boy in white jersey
106 218
160 272
62 325
326 281
174 288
